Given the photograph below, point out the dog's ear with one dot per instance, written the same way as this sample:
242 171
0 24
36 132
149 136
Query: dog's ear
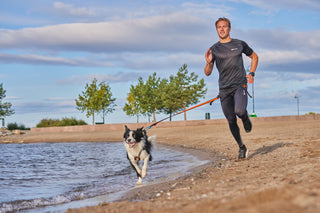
126 132
139 132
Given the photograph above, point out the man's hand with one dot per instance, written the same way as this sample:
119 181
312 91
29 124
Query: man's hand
250 78
209 66
254 64
208 56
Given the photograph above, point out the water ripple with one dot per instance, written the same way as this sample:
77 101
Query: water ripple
49 174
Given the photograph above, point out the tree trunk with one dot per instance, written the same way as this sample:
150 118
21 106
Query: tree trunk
185 113
154 116
93 119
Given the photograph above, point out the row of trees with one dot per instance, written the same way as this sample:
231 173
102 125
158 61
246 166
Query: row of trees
164 95
147 98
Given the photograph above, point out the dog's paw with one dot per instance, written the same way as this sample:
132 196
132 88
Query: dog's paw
139 182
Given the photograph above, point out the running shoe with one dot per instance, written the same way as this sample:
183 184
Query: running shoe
243 152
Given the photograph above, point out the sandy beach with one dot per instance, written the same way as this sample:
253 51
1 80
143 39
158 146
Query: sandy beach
281 174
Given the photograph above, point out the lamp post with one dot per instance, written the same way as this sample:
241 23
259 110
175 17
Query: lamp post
253 112
297 97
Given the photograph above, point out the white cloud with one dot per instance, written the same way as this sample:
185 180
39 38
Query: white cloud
175 32
50 60
157 42
281 39
114 78
72 10
284 56
273 5
283 50
57 99
141 48
44 106
160 61
12 98
170 32
108 78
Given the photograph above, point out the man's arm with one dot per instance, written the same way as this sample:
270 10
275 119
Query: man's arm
254 64
209 66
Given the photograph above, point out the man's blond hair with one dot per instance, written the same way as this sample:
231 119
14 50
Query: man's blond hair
224 19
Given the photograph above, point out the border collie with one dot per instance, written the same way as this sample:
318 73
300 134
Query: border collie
138 148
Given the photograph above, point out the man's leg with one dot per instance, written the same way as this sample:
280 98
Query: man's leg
227 104
241 103
240 108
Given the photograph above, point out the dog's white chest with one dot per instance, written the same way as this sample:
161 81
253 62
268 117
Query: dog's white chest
136 151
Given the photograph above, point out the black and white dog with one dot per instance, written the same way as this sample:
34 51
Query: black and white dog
138 148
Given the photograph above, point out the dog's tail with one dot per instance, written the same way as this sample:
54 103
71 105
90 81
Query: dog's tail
152 140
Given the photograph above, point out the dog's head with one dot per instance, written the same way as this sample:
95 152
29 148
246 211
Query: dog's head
131 137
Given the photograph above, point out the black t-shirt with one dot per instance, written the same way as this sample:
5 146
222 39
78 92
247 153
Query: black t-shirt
229 62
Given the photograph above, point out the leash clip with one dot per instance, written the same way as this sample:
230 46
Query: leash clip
218 96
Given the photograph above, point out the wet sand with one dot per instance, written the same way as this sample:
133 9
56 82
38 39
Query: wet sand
282 173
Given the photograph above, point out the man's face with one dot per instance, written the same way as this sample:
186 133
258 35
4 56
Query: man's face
223 29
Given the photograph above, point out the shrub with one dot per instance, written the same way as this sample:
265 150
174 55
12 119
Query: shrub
311 113
46 122
13 126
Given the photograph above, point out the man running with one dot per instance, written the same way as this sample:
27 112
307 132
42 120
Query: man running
227 53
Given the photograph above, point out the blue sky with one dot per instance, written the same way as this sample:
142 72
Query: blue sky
49 50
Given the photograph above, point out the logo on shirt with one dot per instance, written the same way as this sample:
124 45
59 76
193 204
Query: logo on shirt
233 49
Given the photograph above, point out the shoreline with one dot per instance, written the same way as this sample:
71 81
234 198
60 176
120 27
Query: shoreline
281 174
199 160
151 191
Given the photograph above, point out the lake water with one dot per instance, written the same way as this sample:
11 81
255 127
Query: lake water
52 177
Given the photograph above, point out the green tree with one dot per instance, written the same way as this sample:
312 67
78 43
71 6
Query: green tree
96 99
106 100
144 98
182 90
170 96
5 107
132 108
151 96
166 95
